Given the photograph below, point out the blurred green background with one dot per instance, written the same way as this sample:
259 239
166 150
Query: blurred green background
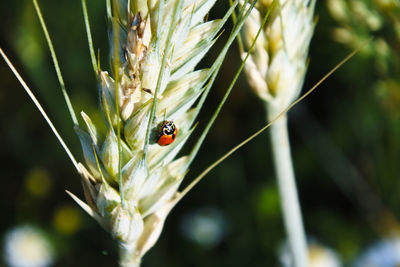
345 144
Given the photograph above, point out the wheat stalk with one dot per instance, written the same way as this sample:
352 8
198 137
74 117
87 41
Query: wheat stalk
275 70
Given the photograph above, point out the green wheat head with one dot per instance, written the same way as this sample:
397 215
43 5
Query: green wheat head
277 65
130 181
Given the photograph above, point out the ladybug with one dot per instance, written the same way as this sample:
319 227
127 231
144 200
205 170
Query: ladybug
167 133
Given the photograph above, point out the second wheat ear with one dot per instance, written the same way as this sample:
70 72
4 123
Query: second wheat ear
275 69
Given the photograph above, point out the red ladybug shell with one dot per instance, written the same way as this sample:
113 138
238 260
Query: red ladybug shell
168 132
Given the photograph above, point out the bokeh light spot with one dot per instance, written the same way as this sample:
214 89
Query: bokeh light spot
38 182
384 252
27 246
318 256
207 226
67 220
267 201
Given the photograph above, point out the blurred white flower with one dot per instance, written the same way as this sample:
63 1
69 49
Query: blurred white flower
206 226
26 246
318 256
384 253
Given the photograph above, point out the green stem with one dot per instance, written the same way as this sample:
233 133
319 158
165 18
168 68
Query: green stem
128 257
287 190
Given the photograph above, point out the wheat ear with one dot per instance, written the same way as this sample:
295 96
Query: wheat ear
275 70
131 178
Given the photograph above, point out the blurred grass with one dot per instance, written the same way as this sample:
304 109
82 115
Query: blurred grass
357 109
